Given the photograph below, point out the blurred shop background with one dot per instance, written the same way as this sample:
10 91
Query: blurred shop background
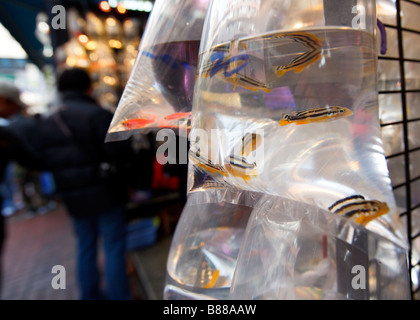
40 38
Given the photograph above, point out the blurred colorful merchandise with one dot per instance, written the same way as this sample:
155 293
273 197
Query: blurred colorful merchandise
105 44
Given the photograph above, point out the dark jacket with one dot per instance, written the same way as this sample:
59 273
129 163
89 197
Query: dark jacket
19 141
72 147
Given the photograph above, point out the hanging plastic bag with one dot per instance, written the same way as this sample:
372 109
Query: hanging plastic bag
295 251
286 105
159 91
205 246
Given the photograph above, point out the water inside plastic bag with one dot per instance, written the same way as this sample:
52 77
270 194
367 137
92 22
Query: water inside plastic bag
307 253
289 113
305 165
317 160
159 91
205 247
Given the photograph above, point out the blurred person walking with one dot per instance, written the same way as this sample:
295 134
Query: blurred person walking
86 177
69 143
14 126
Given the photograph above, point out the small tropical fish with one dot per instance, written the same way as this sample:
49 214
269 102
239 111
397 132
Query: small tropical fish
250 142
359 209
220 61
137 123
338 202
315 115
240 167
299 63
235 166
305 59
213 279
177 116
247 83
230 65
307 39
206 164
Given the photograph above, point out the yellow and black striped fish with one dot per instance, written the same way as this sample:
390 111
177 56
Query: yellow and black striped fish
315 115
358 209
248 83
309 40
305 59
206 164
223 61
237 79
238 166
250 142
235 166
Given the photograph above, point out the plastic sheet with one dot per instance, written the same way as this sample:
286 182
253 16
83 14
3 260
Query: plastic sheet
159 91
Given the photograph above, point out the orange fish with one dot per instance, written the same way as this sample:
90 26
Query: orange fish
176 116
213 280
137 123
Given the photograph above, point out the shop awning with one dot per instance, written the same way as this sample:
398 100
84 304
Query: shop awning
19 17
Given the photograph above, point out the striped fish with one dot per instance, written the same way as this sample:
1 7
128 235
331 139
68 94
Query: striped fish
206 164
358 209
315 115
237 79
238 166
305 59
250 142
307 39
223 61
248 83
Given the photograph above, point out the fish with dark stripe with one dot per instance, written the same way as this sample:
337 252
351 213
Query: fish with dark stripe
230 66
238 166
223 61
206 164
250 142
358 209
315 115
305 59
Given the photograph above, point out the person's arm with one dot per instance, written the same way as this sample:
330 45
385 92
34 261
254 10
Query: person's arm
13 147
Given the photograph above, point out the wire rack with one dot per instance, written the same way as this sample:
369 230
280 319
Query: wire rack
399 107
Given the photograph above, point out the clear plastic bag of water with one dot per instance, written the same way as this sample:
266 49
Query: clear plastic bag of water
159 91
286 106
